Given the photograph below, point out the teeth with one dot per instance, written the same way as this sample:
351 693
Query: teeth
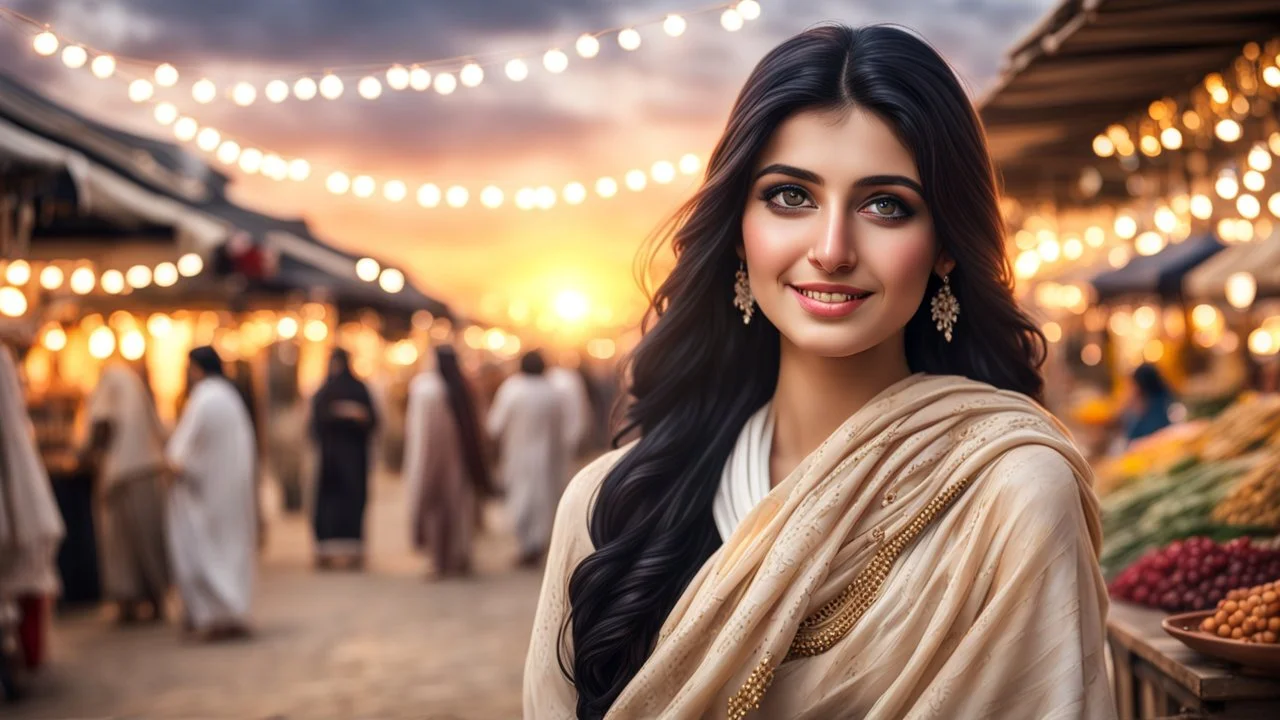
829 297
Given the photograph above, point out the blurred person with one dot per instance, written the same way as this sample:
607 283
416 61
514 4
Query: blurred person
128 438
527 421
343 421
445 468
31 526
846 500
567 379
211 521
1149 405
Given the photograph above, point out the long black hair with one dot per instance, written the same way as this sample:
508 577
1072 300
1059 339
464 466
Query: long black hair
462 403
698 374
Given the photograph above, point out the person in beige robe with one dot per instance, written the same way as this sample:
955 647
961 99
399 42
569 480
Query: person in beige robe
936 557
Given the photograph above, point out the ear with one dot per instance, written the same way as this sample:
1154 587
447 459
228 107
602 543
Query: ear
944 265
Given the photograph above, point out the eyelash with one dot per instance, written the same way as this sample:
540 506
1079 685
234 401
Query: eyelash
904 210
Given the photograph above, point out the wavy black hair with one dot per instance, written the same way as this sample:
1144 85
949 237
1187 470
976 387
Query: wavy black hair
698 374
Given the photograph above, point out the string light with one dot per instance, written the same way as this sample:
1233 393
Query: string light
190 265
397 77
243 94
730 20
1254 181
1228 130
445 83
51 277
587 46
1226 185
674 25
18 273
555 61
517 70
54 338
629 39
471 75
391 280
141 90
12 302
112 282
166 75
204 91
748 9
305 89
81 281
74 57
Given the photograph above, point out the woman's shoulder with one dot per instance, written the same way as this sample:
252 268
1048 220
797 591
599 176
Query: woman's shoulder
1037 488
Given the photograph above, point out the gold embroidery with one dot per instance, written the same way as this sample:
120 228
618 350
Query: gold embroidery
748 696
877 534
888 498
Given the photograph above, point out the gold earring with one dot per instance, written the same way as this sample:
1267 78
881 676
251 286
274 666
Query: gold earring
742 294
945 308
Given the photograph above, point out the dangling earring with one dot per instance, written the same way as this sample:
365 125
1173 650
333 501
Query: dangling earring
742 294
946 309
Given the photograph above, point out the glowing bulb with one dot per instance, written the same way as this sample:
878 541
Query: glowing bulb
299 169
730 20
74 57
575 193
555 61
208 139
12 302
663 172
1271 76
165 275
587 46
166 113
112 282
526 198
395 191
1072 249
1027 264
251 160
572 306
276 91
316 331
1226 185
185 129
331 87
1241 289
159 325
243 94
1248 206
166 75
1150 145
1103 146
54 339
1052 331
82 281
204 91
1228 130
1149 243
141 90
102 343
1261 342
391 280
429 196
287 328
397 77
636 180
368 269
138 277
274 167
419 79
674 25
363 186
103 67
133 345
1095 236
51 277
337 183
1091 354
1273 204
1201 207
1166 220
1050 250
690 164
1254 180
1126 227
748 9
1259 158
491 197
517 70
471 75
456 196
18 272
1118 257
445 83
629 39
1171 138
306 88
369 88
606 187
1145 317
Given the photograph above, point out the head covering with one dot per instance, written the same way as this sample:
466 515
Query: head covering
340 360
533 363
207 359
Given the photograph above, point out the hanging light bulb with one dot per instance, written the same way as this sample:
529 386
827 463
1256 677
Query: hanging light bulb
305 89
456 196
445 83
397 77
141 90
1027 264
208 139
1050 250
331 87
606 187
166 113
189 265
1171 138
299 169
204 91
588 46
395 191
1254 181
82 281
636 180
526 198
1103 146
1126 226
363 186
74 57
1165 220
730 20
1149 243
545 197
555 61
1095 236
1226 185
1259 157
1271 76
419 79
1072 248
748 9
517 70
368 269
690 164
429 196
337 183
251 160
166 75
1201 206
575 193
102 343
391 280
54 339
112 282
274 167
674 25
1228 130
369 88
1118 257
51 277
629 39
165 275
185 129
12 302
1248 206
276 91
491 197
1150 145
1273 204
471 75
138 277
1241 289
663 172
103 67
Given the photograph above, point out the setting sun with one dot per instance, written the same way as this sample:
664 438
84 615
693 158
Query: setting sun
572 306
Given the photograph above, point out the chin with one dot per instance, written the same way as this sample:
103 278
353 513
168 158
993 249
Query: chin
829 339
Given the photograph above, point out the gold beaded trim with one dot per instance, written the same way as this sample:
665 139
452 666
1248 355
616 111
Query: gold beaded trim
748 696
824 628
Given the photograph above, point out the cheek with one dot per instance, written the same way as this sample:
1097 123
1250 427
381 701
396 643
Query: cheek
771 242
903 262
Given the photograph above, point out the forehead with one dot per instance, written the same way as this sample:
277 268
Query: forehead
839 145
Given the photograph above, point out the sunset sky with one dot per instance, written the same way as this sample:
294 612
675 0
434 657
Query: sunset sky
604 116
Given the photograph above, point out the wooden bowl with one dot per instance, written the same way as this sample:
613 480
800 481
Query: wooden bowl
1186 628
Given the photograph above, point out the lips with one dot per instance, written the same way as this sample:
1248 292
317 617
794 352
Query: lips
827 300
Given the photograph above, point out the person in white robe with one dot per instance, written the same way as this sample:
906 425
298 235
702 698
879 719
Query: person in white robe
212 523
527 421
578 414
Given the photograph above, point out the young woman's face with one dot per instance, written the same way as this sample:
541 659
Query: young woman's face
837 240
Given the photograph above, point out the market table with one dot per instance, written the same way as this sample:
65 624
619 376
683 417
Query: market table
1158 677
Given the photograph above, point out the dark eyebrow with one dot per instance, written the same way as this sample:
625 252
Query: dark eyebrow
801 174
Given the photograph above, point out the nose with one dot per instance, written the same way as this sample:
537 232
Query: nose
833 252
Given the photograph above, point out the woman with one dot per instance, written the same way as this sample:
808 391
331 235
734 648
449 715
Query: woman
342 424
527 419
445 463
845 501
1148 411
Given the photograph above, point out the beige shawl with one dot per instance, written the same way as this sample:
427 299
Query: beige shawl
934 557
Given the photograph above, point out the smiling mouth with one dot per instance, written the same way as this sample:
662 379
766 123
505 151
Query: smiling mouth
831 297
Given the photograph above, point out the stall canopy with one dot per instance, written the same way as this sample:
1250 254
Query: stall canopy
1093 62
1160 274
1261 259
